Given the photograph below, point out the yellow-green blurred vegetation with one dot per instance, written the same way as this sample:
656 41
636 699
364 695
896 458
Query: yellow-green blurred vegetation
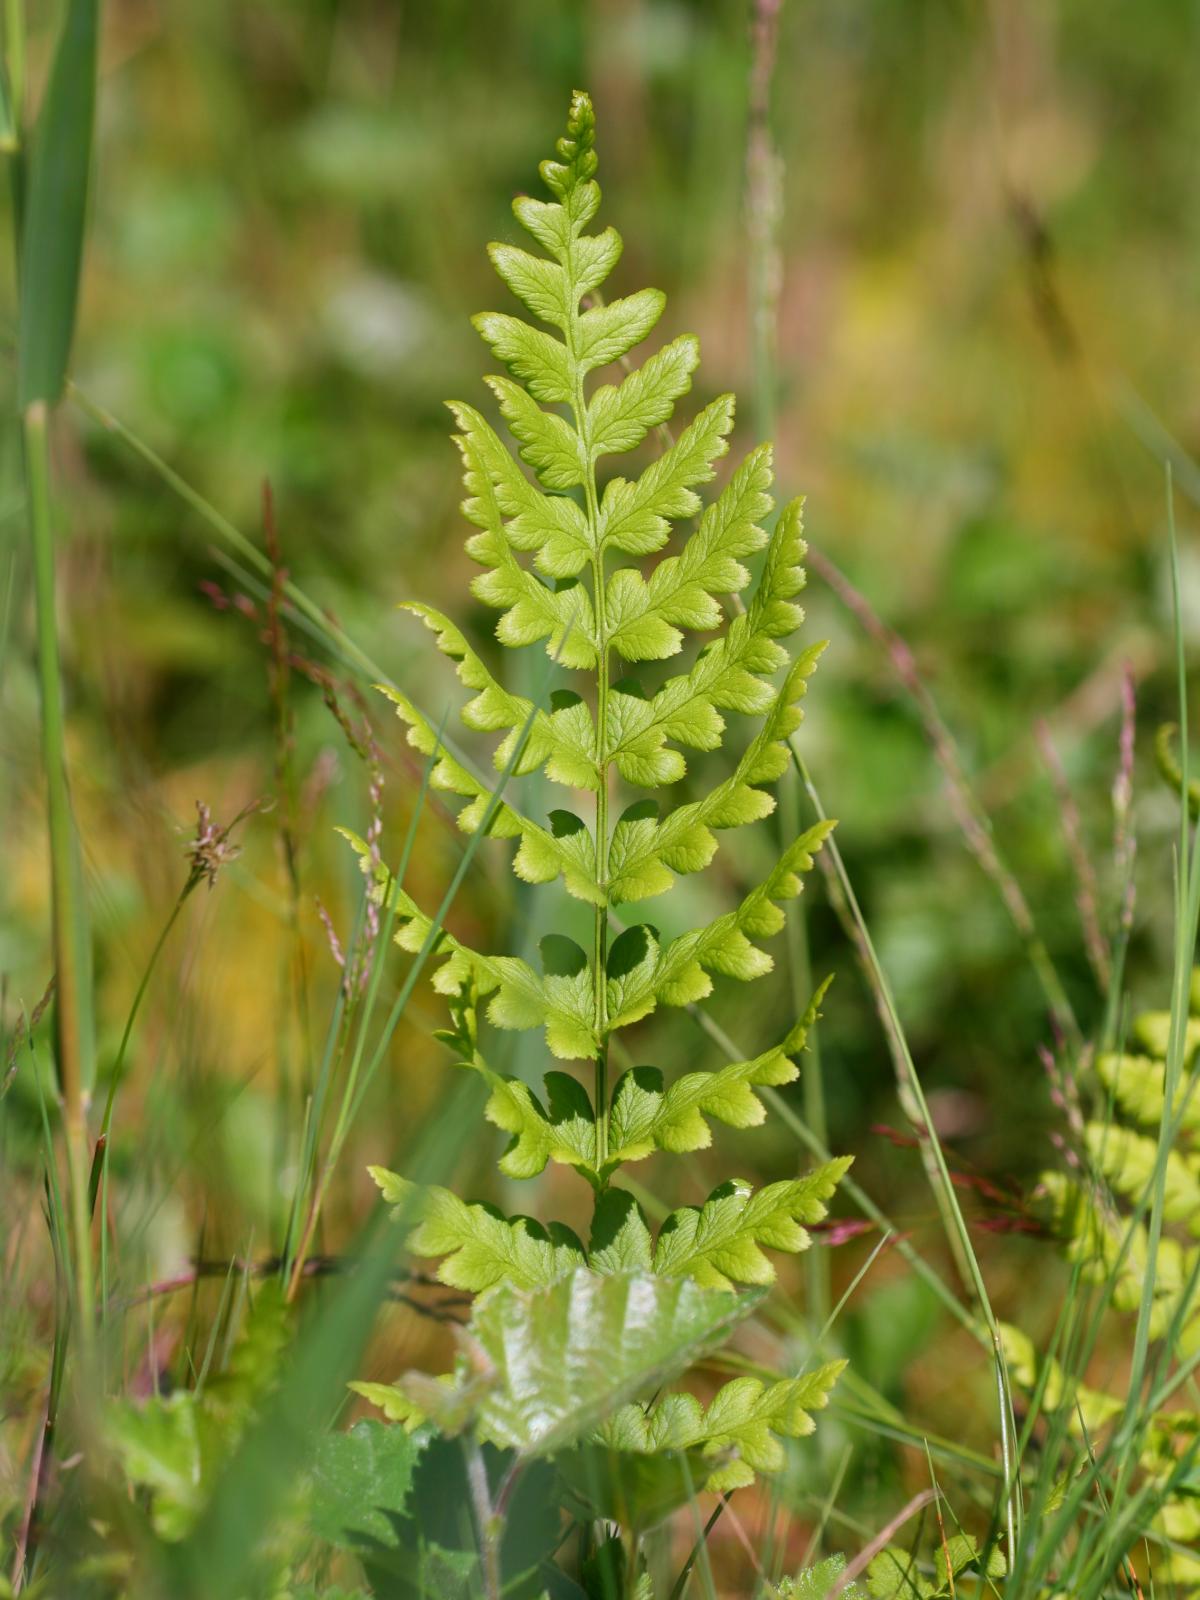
985 351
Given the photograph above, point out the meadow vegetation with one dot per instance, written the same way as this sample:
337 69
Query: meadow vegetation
471 1122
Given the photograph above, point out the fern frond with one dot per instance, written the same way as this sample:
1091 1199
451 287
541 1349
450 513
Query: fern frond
558 551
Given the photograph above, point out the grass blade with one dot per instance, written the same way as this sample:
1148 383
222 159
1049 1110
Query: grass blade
52 242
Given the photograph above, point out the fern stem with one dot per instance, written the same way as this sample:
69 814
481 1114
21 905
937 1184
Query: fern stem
600 934
600 939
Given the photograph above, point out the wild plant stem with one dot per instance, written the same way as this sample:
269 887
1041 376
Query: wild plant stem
940 1178
100 1156
861 1561
321 1187
45 1429
763 211
973 821
1187 919
485 1517
343 1021
685 1572
812 1084
63 1317
71 958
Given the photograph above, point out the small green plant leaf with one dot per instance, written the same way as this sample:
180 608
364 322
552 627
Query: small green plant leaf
621 415
361 1481
1138 1084
620 1240
814 1583
1153 1031
636 517
393 1402
646 615
173 1447
565 1131
960 1551
166 1447
893 1575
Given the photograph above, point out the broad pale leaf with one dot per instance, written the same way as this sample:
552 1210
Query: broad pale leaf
567 1356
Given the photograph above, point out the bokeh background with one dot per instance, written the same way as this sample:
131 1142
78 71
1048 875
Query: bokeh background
985 353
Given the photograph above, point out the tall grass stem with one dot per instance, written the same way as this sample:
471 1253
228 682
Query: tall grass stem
72 959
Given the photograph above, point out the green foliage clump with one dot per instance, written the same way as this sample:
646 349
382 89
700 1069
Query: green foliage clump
1101 1207
570 1335
173 1447
893 1573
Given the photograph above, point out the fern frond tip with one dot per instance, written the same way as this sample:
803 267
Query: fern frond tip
577 163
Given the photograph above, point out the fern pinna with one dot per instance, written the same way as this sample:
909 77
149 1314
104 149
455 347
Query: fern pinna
630 1307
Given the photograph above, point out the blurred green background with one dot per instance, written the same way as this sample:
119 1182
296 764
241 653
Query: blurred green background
987 340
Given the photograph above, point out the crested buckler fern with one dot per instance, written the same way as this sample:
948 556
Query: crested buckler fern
558 545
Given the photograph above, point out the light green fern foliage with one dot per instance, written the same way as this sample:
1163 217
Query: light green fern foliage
575 558
1100 1209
